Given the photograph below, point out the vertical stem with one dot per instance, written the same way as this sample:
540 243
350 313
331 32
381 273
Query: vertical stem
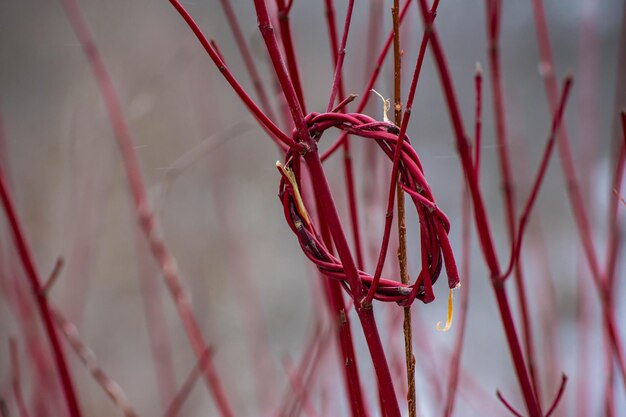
455 363
494 9
156 323
402 260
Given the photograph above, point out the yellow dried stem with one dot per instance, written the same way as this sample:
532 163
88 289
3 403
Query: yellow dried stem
450 314
289 175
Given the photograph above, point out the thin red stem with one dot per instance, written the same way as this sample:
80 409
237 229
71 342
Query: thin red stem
558 397
494 13
295 379
290 52
478 122
484 233
340 315
185 389
507 405
516 248
265 121
45 314
466 209
338 54
574 191
54 275
339 51
618 175
248 61
147 221
156 323
88 358
364 97
16 380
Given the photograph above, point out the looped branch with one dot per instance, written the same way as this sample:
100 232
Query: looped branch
434 224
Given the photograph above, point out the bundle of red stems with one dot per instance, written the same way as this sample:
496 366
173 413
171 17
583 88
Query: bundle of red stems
434 224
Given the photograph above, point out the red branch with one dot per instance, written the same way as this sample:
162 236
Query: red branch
507 405
26 258
466 209
15 379
575 194
147 221
494 13
480 215
248 61
179 399
558 397
88 358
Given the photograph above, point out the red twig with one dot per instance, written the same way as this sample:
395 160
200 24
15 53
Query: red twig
574 191
201 150
558 397
621 198
543 167
309 363
295 379
289 49
620 102
507 405
242 45
15 379
455 362
54 275
267 124
156 323
146 218
181 396
45 394
483 228
339 314
338 50
88 358
42 303
338 55
364 97
478 119
494 13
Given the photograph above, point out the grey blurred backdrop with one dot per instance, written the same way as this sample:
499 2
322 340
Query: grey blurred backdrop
221 216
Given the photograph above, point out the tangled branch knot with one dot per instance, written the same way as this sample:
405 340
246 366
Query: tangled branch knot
433 223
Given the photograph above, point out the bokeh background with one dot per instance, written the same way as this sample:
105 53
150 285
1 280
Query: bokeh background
222 220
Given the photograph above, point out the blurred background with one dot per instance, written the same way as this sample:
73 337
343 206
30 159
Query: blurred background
252 289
